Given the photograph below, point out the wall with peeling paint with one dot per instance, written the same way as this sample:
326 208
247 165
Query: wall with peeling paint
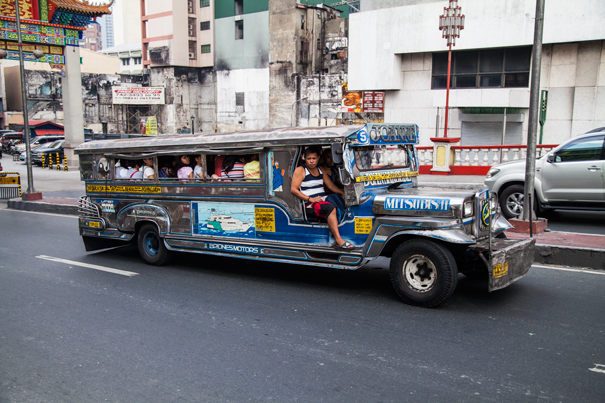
254 84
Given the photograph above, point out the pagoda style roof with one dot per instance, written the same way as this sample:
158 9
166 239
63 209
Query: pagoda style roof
82 7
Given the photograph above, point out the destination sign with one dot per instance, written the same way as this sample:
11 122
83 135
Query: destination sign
123 189
385 176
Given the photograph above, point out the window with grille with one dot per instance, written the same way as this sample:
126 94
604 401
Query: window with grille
204 25
239 102
239 29
490 68
204 3
205 48
190 6
191 27
239 7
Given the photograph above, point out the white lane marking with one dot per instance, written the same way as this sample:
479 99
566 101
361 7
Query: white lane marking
602 273
598 368
89 266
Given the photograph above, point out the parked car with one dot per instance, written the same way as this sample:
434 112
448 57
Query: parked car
48 150
40 140
569 177
36 142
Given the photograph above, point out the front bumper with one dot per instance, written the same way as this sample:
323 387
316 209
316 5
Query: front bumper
510 260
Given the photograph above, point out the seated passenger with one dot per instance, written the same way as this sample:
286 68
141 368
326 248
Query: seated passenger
120 172
327 166
166 168
232 168
252 169
198 170
183 170
308 185
147 169
133 170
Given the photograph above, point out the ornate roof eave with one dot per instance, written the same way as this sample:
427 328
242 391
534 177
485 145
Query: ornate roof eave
38 22
82 7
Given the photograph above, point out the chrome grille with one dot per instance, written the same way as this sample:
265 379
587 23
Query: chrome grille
86 208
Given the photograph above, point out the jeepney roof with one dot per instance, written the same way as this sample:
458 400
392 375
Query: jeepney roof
221 141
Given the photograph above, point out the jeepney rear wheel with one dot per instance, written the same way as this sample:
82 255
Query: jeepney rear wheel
423 273
151 247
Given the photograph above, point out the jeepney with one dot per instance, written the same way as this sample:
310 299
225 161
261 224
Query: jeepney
430 234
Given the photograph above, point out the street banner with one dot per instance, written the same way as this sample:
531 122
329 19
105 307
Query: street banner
138 95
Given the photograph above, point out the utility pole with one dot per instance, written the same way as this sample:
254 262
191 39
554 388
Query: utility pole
534 109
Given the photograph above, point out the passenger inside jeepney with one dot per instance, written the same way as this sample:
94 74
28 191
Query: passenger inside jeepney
166 170
232 168
326 163
252 168
308 184
183 167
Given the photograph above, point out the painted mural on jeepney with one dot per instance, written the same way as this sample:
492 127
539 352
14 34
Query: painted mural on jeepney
223 219
276 174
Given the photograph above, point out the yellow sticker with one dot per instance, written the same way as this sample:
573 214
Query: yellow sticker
94 224
9 180
501 270
381 177
363 225
264 219
123 189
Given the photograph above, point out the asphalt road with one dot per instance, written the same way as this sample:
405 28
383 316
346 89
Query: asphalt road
222 330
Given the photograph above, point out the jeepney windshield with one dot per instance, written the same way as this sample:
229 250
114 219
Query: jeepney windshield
368 158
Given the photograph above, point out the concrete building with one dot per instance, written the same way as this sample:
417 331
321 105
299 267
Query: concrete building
396 46
130 55
107 31
92 38
177 33
126 21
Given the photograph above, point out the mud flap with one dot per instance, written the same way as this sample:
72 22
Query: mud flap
511 260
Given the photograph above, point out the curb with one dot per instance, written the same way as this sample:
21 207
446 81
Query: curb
566 256
67 209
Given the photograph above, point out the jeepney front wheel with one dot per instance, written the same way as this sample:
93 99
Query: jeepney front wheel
423 272
151 247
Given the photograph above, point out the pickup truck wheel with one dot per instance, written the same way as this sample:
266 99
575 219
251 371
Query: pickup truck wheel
511 201
423 272
151 247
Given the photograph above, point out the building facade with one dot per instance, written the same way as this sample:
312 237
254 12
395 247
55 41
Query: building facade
92 38
395 46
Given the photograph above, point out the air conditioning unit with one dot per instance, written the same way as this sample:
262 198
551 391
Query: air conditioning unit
192 55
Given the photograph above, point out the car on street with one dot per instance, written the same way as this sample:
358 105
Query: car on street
569 177
49 150
36 142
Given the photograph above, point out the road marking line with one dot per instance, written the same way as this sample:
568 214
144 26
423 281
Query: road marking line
602 273
598 368
89 266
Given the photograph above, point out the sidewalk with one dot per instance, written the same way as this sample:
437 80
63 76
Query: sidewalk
61 190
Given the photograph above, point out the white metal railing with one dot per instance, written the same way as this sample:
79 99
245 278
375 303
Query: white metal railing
479 155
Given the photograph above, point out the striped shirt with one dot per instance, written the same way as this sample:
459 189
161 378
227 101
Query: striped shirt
313 186
236 173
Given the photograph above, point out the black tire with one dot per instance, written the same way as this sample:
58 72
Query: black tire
511 201
423 272
151 247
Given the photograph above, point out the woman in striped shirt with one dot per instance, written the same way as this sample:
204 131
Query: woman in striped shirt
308 185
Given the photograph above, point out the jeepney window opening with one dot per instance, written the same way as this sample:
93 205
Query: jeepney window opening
369 158
86 167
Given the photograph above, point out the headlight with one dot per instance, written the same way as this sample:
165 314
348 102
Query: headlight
493 172
468 208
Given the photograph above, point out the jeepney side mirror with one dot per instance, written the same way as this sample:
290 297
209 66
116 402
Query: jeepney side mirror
337 153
